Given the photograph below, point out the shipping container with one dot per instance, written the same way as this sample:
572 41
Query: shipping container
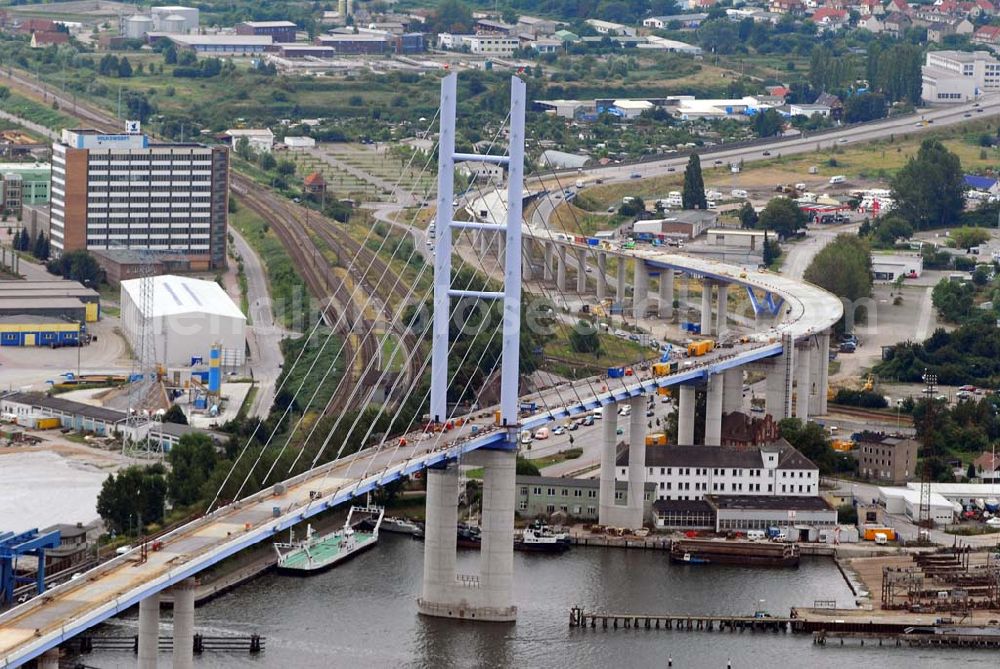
870 533
656 439
616 372
48 423
700 347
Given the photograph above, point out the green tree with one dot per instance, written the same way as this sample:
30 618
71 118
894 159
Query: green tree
583 338
77 265
451 16
865 107
767 123
782 216
267 161
748 216
175 414
170 55
889 229
771 251
192 460
124 68
41 247
953 300
966 238
929 189
525 467
693 194
971 473
810 440
843 267
133 498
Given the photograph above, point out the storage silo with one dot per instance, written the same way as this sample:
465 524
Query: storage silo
137 26
173 24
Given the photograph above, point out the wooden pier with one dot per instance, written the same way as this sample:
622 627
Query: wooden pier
924 640
252 644
708 623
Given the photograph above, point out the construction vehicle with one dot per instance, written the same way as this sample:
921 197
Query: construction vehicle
701 347
664 368
656 439
869 383
842 445
888 532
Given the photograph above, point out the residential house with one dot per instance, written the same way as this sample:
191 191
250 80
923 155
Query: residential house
897 23
888 458
872 24
30 26
988 35
829 18
41 39
314 184
984 184
936 32
987 465
897 6
793 7
870 8
833 103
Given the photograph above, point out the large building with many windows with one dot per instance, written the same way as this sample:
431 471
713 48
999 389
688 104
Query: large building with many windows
693 472
119 191
958 76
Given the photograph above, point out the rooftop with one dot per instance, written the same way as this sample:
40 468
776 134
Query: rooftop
29 304
685 506
184 295
220 40
270 24
768 502
66 406
674 455
29 319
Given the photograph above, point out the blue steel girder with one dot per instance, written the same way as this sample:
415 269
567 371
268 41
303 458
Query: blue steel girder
26 543
773 302
754 302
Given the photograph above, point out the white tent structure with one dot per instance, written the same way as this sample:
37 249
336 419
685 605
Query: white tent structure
187 317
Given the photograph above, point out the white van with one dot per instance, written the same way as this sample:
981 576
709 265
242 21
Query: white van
881 538
526 437
839 179
756 535
598 413
542 433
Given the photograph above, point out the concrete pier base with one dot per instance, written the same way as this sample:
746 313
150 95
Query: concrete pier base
184 624
685 415
149 631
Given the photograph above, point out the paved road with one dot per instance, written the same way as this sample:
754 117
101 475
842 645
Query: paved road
263 336
941 116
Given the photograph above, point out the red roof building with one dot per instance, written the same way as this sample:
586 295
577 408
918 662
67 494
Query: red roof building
41 39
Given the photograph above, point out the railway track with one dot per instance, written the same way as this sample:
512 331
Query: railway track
870 414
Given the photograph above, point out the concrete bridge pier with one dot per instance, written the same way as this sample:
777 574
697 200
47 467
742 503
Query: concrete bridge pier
490 597
815 365
803 367
527 271
620 287
706 307
685 414
778 399
581 272
713 410
561 268
149 631
666 309
548 248
823 384
496 558
184 624
636 462
732 390
49 659
602 276
609 443
723 326
640 290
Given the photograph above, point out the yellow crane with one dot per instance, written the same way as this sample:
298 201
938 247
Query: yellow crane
869 383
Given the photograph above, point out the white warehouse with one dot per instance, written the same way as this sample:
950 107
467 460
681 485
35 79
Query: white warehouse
186 318
906 501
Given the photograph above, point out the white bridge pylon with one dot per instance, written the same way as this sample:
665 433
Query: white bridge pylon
446 593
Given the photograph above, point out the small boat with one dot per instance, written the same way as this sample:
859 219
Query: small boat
318 552
540 539
687 558
469 536
394 525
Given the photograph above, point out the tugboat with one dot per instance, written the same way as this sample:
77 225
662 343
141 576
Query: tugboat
316 553
538 538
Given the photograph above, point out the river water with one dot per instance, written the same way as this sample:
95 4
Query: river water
363 614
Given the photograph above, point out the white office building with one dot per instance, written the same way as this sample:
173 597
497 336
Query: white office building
692 472
119 191
951 77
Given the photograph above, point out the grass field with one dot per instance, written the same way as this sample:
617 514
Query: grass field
36 112
615 351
